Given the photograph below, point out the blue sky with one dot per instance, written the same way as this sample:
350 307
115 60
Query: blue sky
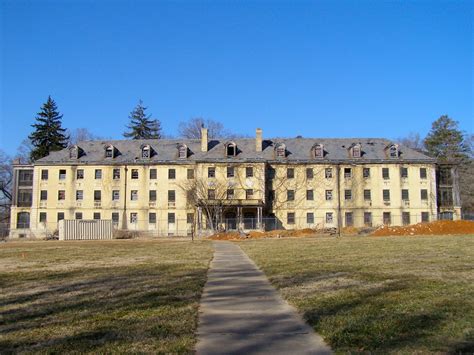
311 68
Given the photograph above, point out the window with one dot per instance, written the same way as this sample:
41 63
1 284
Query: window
368 219
134 173
190 174
347 195
248 194
309 173
366 173
78 215
318 151
79 195
116 174
211 194
349 219
23 220
190 218
171 218
271 173
171 174
386 195
146 152
96 215
425 216
115 195
109 152
328 195
347 173
356 151
74 152
424 194
152 195
329 217
393 151
44 174
405 218
25 177
61 195
310 217
385 173
115 218
211 172
152 218
231 150
43 195
290 173
133 217
134 195
98 174
290 195
445 176
230 194
290 218
387 218
310 195
423 173
367 195
60 216
97 195
405 195
249 171
80 174
328 173
230 171
171 196
183 151
62 174
152 174
42 217
281 151
404 173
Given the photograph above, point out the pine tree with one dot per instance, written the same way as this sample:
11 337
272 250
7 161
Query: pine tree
446 142
142 126
48 136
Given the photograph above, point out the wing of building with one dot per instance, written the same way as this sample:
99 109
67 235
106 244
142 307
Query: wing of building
177 187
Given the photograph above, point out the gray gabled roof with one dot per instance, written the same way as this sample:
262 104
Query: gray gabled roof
298 150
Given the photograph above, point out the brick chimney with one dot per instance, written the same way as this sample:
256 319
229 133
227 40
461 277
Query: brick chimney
258 140
204 139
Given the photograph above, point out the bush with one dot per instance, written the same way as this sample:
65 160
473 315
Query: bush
125 234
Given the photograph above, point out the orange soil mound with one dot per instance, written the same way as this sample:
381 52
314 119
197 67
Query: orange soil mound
432 228
257 234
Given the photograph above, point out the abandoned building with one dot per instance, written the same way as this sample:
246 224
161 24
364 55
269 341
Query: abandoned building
176 187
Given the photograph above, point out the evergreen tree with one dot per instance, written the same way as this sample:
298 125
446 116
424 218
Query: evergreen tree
446 142
142 126
48 136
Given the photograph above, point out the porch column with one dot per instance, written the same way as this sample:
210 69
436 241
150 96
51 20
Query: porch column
259 217
199 218
239 218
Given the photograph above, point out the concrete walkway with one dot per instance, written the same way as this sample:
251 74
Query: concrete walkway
241 313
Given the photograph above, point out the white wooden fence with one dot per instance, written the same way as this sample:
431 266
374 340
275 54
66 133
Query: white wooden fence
85 229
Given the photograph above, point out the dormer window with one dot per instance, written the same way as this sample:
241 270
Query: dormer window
182 151
109 151
356 151
393 151
280 150
318 151
74 152
146 151
231 149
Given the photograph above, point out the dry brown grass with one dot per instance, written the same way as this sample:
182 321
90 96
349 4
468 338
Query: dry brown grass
101 296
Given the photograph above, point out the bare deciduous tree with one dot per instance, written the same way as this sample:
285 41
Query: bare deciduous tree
6 179
413 141
82 134
191 129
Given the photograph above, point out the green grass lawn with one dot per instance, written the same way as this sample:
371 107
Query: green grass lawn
101 296
391 294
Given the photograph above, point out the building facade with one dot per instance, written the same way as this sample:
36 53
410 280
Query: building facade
177 187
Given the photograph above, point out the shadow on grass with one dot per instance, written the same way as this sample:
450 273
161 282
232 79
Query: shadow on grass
147 306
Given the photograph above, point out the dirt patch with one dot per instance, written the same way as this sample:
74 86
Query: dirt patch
432 228
296 233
